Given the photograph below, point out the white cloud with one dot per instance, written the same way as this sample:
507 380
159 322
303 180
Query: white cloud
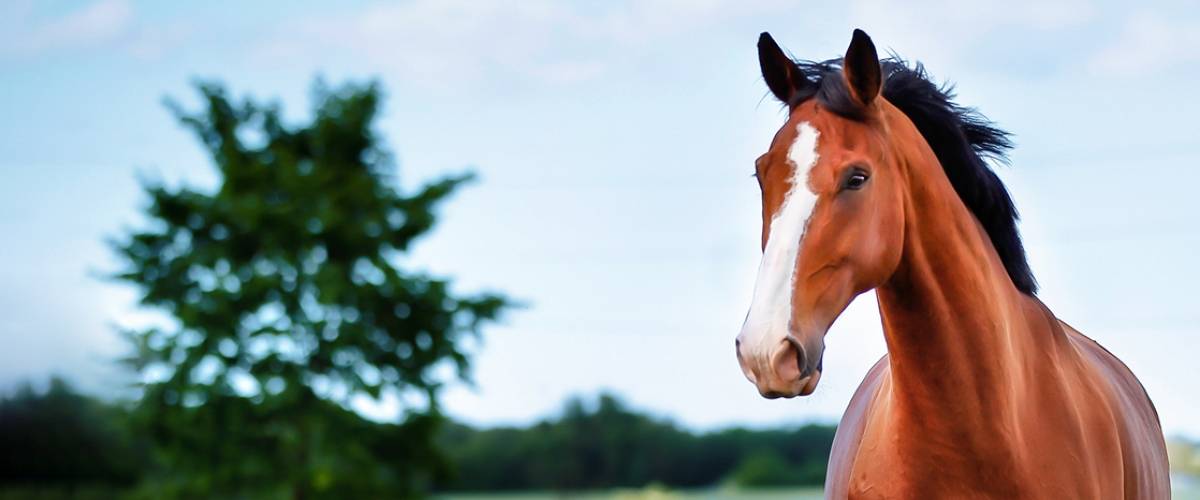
102 24
98 23
949 31
448 42
1149 42
432 41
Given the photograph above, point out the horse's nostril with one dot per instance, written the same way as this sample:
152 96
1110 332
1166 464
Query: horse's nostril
801 367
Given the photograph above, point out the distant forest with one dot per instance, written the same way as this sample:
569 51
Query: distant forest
60 440
605 444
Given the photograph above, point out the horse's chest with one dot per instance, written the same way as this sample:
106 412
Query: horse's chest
905 461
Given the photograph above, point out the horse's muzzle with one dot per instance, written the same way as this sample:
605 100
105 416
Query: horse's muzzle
787 369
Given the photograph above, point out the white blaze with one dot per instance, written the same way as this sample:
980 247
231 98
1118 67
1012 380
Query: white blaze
771 309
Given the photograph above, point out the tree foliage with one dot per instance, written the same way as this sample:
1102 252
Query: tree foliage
288 302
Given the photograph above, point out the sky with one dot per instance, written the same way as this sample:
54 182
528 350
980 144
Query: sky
614 143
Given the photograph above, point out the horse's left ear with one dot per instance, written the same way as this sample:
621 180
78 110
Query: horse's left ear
861 67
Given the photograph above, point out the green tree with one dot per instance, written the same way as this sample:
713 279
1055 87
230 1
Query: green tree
288 302
60 440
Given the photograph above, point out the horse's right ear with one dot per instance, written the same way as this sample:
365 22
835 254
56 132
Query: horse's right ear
783 76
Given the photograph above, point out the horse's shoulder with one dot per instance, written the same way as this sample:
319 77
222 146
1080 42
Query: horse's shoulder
1122 380
850 430
1143 449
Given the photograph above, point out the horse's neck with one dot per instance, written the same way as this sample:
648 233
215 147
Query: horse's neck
959 342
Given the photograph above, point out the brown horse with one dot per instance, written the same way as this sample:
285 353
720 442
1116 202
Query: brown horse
878 181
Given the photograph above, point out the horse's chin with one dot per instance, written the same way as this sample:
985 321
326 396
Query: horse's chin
802 387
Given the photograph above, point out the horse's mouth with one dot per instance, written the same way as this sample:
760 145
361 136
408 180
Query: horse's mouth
802 387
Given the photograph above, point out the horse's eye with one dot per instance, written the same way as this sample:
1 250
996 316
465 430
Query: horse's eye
856 180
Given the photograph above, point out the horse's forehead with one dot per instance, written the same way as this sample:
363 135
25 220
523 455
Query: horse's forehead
821 120
824 133
842 139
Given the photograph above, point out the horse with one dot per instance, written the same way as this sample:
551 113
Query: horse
879 181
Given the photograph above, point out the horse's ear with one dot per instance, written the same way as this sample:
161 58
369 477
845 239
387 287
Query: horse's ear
783 76
861 67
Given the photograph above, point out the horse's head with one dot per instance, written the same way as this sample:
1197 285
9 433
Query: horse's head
832 212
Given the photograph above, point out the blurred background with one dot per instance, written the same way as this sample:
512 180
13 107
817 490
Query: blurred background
391 249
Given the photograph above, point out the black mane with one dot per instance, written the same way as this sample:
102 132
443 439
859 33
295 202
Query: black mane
962 138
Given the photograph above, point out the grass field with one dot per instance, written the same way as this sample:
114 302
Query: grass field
1183 490
652 493
1186 489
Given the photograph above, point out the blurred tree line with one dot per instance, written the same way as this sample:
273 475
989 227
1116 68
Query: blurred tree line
58 439
1184 455
58 443
605 444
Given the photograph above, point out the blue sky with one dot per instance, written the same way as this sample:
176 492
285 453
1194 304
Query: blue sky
614 143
